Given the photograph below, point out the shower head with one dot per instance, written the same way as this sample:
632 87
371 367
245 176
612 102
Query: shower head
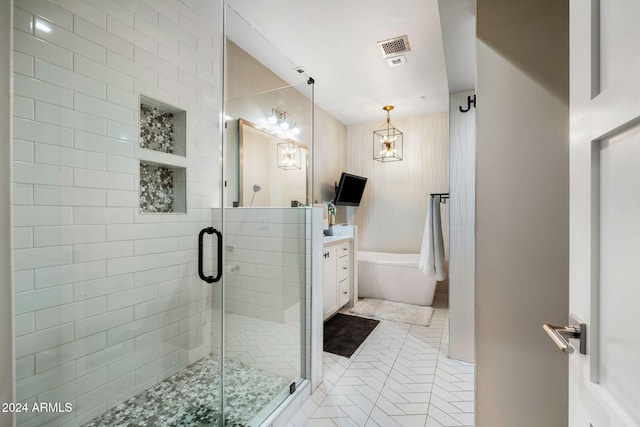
256 188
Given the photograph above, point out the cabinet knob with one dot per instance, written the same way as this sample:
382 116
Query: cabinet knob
345 292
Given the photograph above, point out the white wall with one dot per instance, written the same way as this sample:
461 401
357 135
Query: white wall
330 158
393 210
522 211
462 175
107 298
7 378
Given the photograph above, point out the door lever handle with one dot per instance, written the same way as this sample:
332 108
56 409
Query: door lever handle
561 334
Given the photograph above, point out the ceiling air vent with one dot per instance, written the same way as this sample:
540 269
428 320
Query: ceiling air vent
394 47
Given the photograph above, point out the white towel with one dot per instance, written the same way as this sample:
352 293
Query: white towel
432 251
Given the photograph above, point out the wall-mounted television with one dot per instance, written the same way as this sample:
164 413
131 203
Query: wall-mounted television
349 190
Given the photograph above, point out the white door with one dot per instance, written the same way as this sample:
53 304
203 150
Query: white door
604 384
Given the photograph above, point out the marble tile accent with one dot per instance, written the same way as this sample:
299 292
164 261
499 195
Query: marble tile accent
156 129
156 188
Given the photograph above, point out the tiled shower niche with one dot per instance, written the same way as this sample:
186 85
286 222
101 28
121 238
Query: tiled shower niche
163 181
163 188
162 127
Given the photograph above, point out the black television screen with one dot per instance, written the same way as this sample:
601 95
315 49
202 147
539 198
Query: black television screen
349 190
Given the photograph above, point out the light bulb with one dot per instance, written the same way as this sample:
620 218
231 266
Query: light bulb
272 119
387 138
284 125
295 131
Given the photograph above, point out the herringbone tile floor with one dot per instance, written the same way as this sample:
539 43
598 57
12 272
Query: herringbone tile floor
400 376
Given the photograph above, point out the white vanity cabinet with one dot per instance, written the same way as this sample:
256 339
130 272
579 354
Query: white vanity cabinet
337 274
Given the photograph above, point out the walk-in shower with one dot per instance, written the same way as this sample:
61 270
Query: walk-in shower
128 176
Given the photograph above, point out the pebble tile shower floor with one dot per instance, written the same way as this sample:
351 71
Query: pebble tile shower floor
190 398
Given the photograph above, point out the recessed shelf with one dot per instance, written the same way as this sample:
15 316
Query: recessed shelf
162 127
163 188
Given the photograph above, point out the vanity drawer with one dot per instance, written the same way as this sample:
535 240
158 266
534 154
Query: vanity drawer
343 268
343 250
343 290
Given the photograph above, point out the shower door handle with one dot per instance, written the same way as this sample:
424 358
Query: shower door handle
209 279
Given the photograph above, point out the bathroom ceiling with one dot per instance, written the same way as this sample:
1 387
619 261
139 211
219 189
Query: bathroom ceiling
336 42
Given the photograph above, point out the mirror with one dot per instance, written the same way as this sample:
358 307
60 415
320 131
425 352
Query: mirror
273 169
261 106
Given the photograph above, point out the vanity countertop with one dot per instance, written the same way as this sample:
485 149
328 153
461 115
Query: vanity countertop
334 240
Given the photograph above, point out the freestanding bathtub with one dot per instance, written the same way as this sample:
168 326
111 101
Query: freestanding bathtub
394 277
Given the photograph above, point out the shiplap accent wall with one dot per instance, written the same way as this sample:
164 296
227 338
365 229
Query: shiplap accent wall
393 210
107 300
462 175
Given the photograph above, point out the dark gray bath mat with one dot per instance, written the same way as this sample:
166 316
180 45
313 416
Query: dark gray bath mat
343 334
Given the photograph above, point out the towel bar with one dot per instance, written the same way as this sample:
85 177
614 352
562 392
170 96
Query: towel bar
443 196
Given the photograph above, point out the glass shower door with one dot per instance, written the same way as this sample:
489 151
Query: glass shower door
117 167
266 242
268 158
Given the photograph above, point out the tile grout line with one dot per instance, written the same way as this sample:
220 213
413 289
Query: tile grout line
435 372
390 339
388 375
375 404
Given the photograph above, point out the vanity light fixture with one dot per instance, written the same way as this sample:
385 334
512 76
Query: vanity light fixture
283 120
289 156
295 130
387 141
284 124
273 118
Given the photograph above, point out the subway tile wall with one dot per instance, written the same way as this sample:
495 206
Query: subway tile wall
107 299
265 256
